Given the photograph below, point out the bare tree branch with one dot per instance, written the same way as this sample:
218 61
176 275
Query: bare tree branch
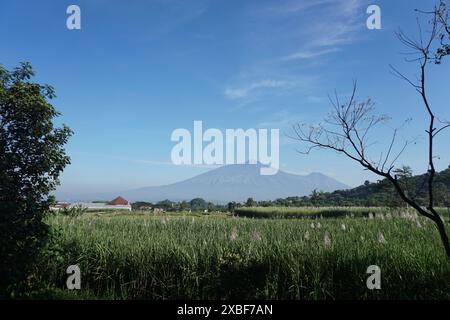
347 128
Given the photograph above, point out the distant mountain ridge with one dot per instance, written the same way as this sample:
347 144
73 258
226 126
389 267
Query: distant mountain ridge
235 183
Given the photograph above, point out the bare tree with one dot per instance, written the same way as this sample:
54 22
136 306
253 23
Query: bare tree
348 127
442 14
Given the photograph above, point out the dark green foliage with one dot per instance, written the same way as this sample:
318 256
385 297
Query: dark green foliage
73 211
312 212
198 204
250 202
382 193
31 159
139 204
231 206
165 204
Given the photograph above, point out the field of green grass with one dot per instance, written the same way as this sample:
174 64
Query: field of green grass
325 212
129 256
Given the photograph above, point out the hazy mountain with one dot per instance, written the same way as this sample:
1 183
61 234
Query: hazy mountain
236 183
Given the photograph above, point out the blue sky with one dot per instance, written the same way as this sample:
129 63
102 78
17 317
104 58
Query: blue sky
137 70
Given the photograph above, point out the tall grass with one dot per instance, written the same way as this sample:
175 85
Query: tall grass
145 257
326 212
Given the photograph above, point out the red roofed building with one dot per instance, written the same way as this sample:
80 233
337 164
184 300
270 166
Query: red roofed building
119 201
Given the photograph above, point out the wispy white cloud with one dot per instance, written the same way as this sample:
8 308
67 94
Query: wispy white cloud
293 6
338 23
303 55
244 91
302 33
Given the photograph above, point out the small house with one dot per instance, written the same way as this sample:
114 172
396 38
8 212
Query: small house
119 201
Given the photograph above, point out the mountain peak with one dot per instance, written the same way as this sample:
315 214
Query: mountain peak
238 182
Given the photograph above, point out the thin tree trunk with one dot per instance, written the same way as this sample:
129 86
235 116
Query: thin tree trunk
444 238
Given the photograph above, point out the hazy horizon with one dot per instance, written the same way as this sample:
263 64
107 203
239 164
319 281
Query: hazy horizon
241 173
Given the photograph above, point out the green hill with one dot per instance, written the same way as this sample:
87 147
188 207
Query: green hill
380 193
383 193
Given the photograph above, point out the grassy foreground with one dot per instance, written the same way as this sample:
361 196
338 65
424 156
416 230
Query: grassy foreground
222 257
328 212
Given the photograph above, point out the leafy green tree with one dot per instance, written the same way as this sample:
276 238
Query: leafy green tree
137 205
165 204
211 207
316 197
32 156
250 202
198 204
184 205
231 206
441 194
404 176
